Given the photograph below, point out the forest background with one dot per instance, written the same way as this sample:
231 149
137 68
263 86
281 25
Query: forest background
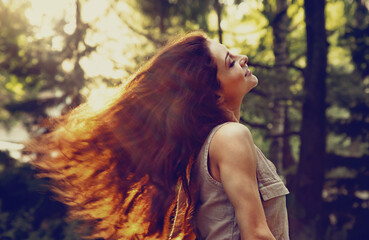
309 114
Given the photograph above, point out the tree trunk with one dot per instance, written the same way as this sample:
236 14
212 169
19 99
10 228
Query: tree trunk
276 133
288 159
280 26
313 127
218 9
76 79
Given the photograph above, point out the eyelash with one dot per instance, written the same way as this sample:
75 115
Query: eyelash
232 63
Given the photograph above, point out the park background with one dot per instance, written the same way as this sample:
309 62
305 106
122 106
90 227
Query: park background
309 114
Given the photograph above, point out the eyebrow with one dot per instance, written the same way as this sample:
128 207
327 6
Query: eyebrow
225 59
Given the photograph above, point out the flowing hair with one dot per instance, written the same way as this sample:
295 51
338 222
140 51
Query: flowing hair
120 168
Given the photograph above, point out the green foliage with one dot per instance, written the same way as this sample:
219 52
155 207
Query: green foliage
167 14
31 71
30 75
19 65
347 84
347 113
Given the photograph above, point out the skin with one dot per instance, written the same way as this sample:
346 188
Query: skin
235 78
232 156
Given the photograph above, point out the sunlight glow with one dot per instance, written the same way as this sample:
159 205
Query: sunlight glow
93 9
10 146
11 140
115 43
227 2
247 31
43 13
67 65
70 27
57 43
98 65
107 32
336 12
97 99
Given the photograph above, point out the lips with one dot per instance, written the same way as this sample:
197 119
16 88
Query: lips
248 72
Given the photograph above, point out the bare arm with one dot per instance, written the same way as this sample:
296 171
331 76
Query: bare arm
233 163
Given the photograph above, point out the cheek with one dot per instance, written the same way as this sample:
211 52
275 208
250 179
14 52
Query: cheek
235 86
233 83
237 78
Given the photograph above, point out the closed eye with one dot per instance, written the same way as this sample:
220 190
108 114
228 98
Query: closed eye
232 63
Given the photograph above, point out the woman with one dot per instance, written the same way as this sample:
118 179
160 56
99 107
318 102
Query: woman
232 172
132 169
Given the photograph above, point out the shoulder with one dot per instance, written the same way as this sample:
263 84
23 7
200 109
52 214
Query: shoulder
232 142
232 133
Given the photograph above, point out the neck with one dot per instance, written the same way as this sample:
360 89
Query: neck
233 109
235 115
233 112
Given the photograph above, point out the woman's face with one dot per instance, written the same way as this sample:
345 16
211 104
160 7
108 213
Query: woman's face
235 77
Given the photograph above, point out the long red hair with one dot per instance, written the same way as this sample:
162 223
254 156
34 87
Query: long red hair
119 169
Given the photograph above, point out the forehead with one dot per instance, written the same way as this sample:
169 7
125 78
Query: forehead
217 50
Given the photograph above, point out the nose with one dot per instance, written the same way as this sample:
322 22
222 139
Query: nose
244 59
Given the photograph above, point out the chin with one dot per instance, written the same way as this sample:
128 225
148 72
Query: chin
253 81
